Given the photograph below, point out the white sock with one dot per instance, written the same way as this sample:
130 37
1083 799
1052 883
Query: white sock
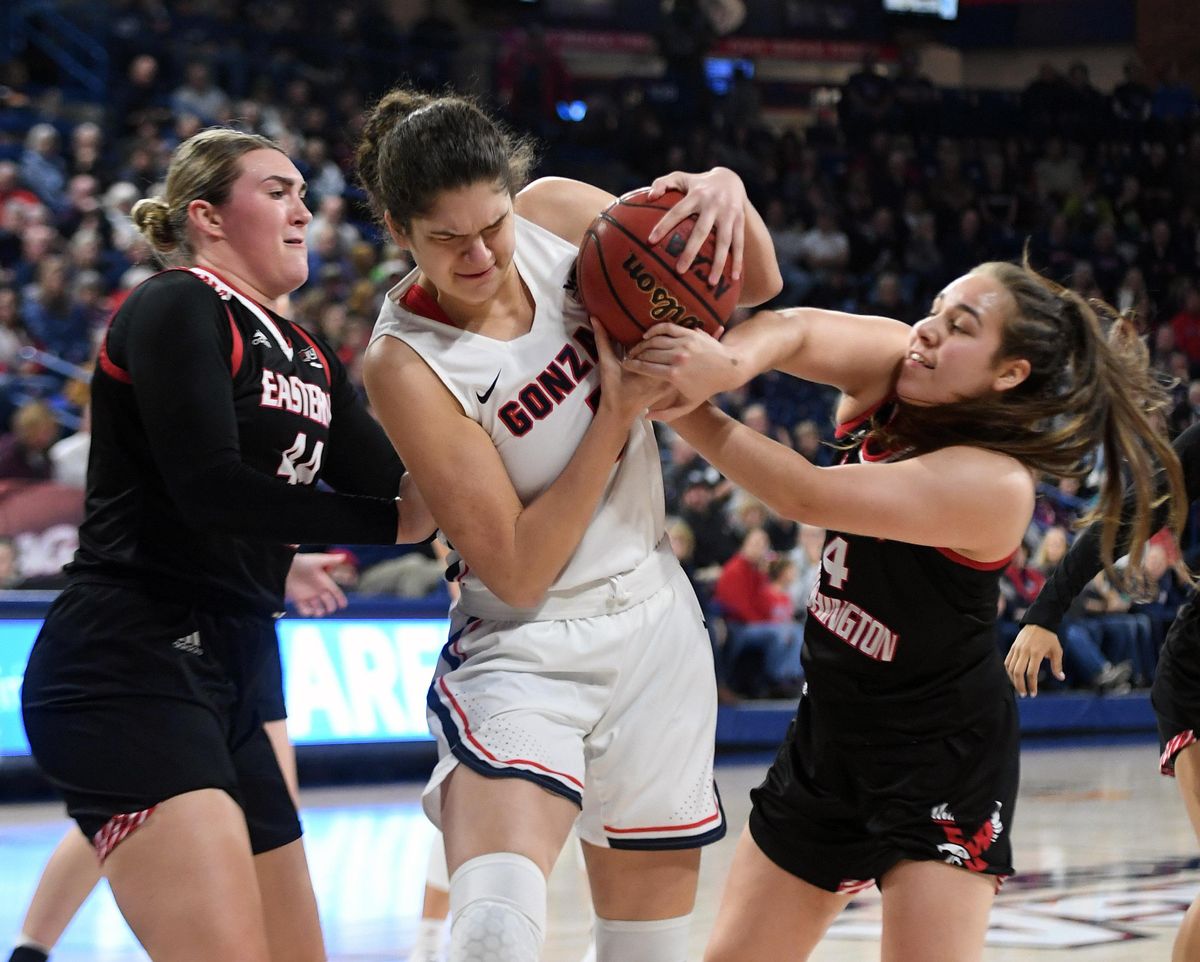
428 946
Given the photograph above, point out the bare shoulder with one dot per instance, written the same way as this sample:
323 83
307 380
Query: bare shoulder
395 374
562 206
997 478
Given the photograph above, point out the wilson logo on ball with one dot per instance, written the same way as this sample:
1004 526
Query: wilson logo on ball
664 307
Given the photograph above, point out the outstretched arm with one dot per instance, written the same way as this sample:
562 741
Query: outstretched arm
983 500
858 354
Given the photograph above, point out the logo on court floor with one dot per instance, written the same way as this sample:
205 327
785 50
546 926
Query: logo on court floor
1070 909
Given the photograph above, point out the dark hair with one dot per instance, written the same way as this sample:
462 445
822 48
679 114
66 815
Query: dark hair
415 146
1087 387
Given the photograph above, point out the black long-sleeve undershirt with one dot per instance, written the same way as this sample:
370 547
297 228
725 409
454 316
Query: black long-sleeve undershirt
1083 562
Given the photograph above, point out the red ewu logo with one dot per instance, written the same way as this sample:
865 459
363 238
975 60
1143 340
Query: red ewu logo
964 851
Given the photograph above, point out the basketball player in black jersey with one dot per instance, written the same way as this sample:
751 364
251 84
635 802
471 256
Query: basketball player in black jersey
72 871
901 766
1175 694
213 420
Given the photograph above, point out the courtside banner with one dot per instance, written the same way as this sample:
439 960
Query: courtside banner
346 680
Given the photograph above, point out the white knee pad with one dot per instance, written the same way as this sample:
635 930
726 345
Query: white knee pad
664 940
497 909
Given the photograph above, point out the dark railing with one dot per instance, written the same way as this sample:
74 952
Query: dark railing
43 25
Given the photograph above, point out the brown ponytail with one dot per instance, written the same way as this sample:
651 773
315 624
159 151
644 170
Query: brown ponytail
1090 387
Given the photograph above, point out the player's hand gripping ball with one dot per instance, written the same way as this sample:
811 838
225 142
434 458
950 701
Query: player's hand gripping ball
630 285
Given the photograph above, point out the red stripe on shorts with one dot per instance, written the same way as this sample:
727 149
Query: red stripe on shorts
117 829
666 828
470 736
1166 763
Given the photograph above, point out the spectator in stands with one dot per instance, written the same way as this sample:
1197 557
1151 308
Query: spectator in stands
53 320
1056 174
1125 636
1161 261
42 167
138 99
1174 101
702 506
1185 325
200 96
1167 587
1084 110
888 299
745 596
917 98
1054 250
825 247
1131 99
1042 100
24 451
968 245
325 178
806 438
868 100
1133 299
1108 263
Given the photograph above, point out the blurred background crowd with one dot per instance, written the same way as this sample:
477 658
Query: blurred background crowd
878 185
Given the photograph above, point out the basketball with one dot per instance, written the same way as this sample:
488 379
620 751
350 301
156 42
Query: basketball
629 284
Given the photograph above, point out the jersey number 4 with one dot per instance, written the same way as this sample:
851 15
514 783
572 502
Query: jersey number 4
833 560
301 473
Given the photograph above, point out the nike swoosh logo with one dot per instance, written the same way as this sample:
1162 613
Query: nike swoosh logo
483 398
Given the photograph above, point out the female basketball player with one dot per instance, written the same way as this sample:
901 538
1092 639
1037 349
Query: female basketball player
73 871
578 673
900 768
214 418
1175 693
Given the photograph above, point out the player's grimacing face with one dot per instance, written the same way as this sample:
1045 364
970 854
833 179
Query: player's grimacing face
952 353
464 244
264 222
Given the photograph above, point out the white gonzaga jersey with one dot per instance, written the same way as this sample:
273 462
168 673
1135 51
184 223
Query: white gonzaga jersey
536 395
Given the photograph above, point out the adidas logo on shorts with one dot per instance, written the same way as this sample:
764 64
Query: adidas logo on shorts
189 643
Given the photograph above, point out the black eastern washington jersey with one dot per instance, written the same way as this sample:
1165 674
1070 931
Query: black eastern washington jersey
212 421
899 642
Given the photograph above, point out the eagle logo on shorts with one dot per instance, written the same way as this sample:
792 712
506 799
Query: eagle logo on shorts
960 850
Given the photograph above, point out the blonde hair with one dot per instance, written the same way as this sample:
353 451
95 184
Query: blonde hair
203 167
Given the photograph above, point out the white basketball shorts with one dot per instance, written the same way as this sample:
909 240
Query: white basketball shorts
616 712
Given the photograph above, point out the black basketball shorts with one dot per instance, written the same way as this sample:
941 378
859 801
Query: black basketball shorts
130 700
1176 691
840 815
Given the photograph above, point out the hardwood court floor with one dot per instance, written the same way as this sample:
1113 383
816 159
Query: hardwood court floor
1107 859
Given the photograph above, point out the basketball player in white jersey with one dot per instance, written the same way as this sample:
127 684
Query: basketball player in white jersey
577 685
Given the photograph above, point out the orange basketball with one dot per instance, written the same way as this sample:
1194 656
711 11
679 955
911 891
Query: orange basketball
629 284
